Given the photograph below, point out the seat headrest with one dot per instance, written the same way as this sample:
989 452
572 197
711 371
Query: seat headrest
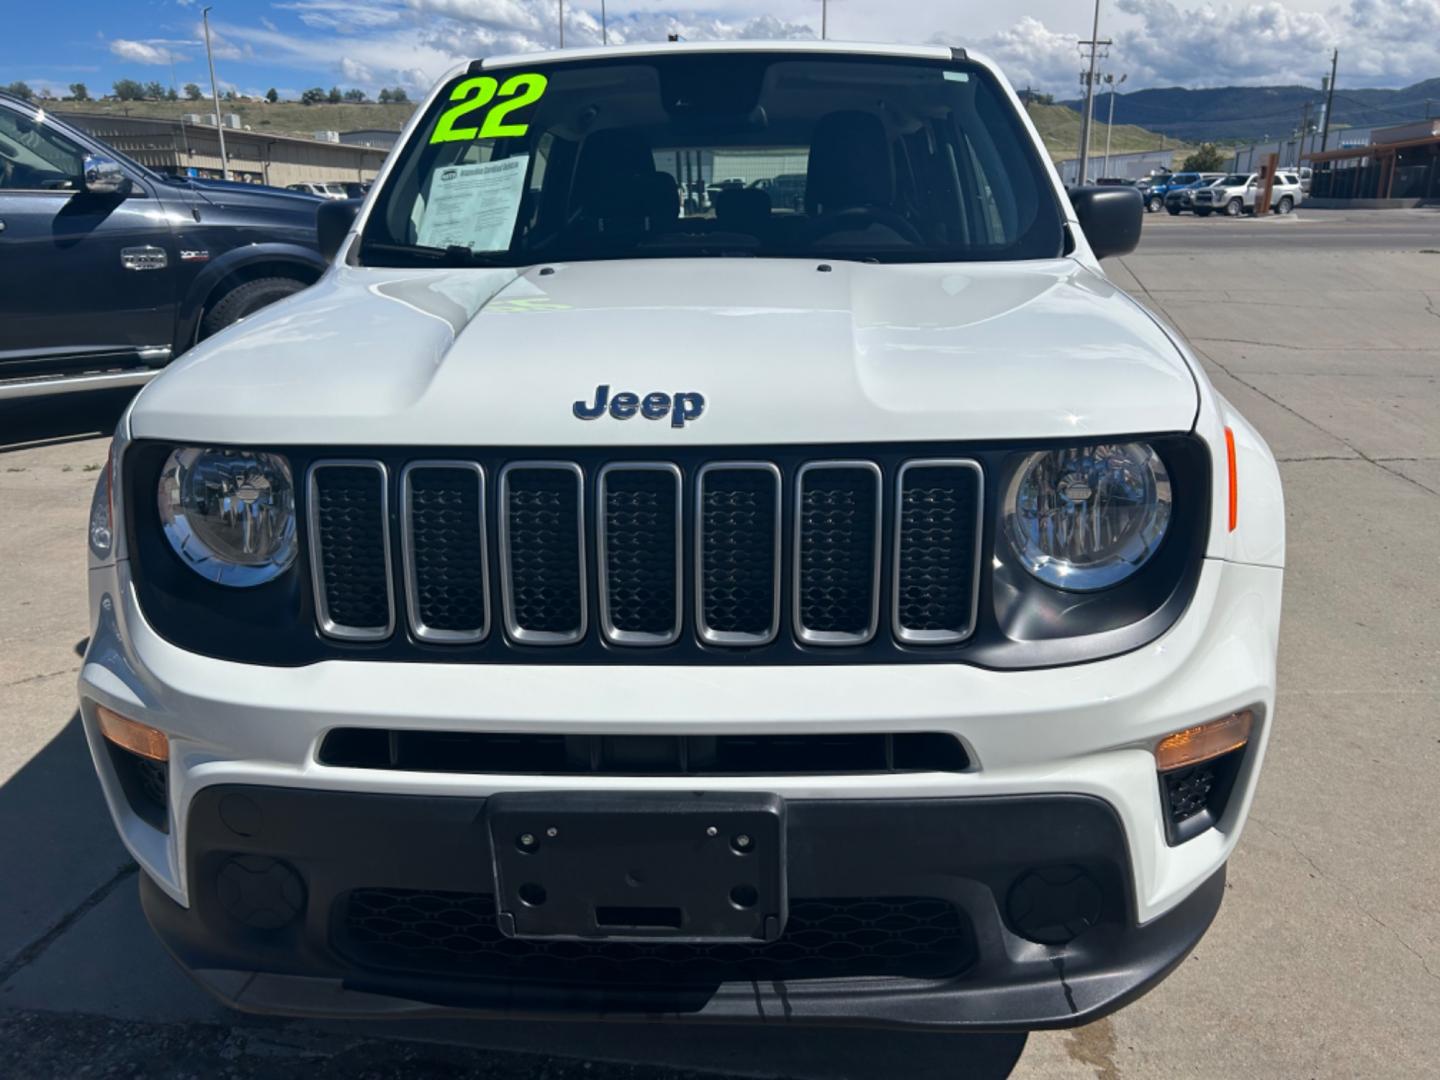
742 209
850 163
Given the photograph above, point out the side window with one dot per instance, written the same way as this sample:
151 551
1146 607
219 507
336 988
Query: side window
32 157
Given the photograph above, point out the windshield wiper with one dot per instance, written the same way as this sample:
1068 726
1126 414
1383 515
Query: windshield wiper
455 255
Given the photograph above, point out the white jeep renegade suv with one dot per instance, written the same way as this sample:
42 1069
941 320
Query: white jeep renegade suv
851 610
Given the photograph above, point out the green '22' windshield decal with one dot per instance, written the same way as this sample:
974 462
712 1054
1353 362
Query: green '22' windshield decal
514 93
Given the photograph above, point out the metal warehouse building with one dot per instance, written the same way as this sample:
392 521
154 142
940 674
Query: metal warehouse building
173 146
1400 165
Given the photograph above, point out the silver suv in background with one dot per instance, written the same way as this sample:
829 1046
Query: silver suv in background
1236 194
1178 199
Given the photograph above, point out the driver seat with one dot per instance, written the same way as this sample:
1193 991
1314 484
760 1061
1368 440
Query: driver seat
851 174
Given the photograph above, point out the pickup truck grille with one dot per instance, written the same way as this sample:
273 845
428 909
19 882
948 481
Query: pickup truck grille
642 554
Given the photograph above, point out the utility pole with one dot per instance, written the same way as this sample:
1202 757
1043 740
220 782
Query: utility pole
604 29
1110 126
824 19
1329 100
1088 117
1304 131
215 95
562 24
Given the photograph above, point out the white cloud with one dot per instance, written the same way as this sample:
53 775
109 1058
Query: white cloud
1165 43
145 52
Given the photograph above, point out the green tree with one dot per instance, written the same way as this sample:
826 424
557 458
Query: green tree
20 90
313 96
230 95
384 95
272 95
79 92
171 95
1206 158
355 96
397 96
192 91
128 90
334 97
155 89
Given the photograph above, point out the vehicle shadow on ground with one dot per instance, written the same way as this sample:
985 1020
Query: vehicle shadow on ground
61 417
73 941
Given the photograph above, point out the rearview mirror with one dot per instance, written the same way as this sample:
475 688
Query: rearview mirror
103 176
1109 217
332 223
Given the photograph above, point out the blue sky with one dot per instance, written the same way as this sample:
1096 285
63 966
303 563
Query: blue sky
293 44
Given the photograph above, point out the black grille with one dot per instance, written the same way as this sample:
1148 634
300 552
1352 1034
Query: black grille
739 528
445 551
837 541
937 540
544 573
501 753
455 934
641 553
349 523
145 784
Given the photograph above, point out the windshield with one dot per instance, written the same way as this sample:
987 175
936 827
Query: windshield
1181 179
720 154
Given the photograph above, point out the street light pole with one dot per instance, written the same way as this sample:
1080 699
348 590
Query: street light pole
604 28
1089 114
1110 125
562 24
824 18
215 96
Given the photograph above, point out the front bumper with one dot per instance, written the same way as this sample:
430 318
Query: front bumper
902 913
1082 733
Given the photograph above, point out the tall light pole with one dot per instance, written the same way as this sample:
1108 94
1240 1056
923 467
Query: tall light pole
215 96
562 24
824 18
604 31
1110 124
1089 115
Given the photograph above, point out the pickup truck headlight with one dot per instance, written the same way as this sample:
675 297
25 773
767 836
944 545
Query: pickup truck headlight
229 514
1087 517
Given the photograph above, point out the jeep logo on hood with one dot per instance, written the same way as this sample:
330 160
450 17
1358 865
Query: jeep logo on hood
680 407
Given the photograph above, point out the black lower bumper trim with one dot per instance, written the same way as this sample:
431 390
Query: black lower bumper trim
905 913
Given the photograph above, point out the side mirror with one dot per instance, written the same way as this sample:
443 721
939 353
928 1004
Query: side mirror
333 219
1110 218
103 176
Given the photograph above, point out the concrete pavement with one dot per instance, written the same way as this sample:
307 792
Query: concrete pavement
1324 961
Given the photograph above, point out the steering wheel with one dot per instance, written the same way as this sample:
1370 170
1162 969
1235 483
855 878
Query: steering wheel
861 217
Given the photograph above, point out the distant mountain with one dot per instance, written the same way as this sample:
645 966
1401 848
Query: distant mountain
1254 112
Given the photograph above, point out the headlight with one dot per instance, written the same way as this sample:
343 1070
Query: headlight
229 514
1087 517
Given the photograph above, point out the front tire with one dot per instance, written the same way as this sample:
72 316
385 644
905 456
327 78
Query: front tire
1174 211
246 299
1234 207
1154 204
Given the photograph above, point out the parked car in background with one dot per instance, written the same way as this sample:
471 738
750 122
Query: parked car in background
1235 194
786 191
1155 194
1180 199
108 269
323 189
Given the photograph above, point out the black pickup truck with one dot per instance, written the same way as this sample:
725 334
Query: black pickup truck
109 270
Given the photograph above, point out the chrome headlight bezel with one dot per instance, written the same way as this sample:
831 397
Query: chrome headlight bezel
1087 517
203 492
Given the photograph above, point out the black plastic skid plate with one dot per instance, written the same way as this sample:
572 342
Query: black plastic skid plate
684 867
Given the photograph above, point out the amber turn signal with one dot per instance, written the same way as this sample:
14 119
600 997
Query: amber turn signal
133 736
1197 744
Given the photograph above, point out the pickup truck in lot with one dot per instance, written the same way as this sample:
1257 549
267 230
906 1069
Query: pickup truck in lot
109 270
862 613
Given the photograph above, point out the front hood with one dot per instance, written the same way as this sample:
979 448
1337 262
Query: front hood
783 351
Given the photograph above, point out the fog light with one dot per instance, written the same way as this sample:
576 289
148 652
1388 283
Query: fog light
1209 740
132 735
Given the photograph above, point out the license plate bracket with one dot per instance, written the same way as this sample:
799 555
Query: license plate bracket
674 866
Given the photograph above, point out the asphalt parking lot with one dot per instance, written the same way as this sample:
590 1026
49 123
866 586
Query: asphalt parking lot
1323 328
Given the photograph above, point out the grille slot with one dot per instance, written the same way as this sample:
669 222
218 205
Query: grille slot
447 584
505 753
837 552
737 554
638 546
542 552
456 934
350 549
937 550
